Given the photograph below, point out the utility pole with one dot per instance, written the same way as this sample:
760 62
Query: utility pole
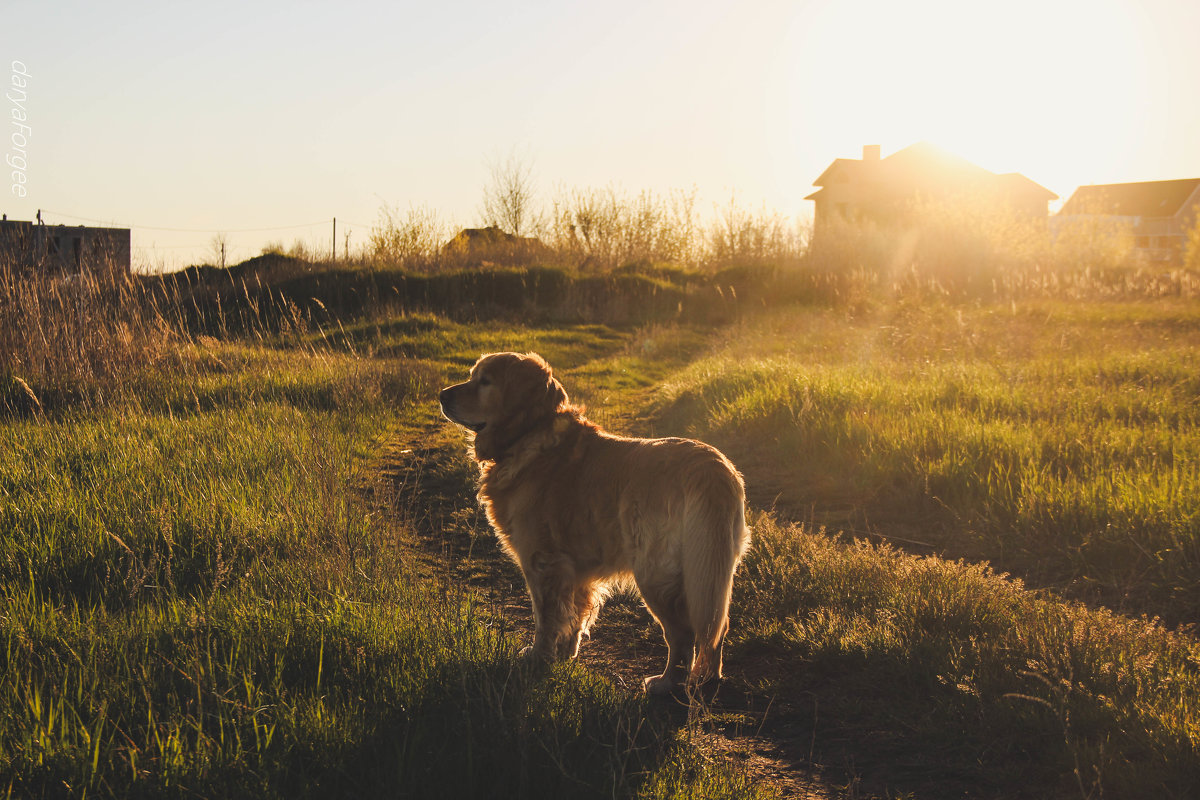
335 239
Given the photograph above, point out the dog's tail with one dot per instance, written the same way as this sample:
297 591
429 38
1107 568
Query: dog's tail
718 523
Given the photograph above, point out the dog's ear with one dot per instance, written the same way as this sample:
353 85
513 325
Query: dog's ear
547 394
530 396
556 396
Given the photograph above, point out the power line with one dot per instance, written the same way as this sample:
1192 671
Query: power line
188 230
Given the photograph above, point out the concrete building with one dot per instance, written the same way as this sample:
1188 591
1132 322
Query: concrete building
34 246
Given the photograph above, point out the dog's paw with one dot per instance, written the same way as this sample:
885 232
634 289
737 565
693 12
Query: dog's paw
660 686
532 657
705 690
684 691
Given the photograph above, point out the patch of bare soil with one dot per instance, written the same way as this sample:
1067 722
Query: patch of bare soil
432 489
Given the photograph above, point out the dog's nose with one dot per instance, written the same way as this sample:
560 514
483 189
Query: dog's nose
444 395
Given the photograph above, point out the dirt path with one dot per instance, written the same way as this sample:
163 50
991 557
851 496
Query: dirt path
772 737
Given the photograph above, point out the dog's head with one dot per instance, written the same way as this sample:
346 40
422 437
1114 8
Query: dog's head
507 396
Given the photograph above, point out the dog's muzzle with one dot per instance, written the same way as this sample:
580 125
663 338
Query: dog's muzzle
446 399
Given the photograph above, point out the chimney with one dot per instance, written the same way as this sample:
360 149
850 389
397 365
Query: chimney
870 152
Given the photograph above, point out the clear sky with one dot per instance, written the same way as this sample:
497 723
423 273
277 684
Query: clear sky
227 116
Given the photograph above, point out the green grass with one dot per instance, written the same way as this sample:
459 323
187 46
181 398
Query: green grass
956 681
1059 442
207 585
200 596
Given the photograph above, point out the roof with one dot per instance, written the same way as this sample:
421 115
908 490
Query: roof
1144 199
470 239
849 166
924 167
24 224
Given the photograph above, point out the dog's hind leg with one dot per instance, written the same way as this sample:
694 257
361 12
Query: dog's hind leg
667 607
708 579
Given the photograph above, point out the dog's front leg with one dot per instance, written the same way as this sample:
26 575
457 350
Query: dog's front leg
553 589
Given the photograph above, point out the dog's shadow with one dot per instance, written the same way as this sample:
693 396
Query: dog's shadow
432 490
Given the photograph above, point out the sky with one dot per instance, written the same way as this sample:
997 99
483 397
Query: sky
263 121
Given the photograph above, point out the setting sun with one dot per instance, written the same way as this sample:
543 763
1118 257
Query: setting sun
195 128
1062 92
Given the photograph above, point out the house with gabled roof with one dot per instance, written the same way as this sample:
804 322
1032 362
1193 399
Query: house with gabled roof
1159 214
886 190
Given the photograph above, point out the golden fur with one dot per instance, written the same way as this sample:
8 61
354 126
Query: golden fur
579 509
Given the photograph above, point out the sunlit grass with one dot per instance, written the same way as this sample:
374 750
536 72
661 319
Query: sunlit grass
203 591
985 681
1061 443
206 589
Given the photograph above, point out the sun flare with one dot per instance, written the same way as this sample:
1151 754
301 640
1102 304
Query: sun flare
1025 87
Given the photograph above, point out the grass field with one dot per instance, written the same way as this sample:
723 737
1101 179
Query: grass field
1056 440
200 597
210 586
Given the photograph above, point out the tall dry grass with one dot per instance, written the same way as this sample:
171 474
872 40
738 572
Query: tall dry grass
607 228
964 249
411 239
596 230
949 248
78 336
737 236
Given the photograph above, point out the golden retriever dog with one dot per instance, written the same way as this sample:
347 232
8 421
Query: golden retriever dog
580 509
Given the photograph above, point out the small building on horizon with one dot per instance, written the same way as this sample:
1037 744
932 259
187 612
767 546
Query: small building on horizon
67 248
1158 214
885 191
492 244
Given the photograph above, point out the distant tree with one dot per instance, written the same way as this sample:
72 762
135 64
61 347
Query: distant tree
217 249
508 200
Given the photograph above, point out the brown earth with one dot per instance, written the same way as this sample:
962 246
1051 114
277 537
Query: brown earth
772 737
